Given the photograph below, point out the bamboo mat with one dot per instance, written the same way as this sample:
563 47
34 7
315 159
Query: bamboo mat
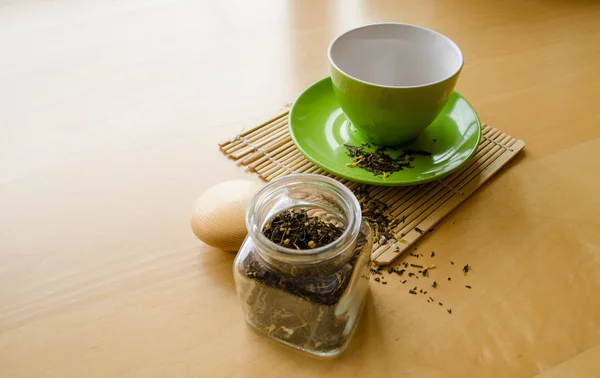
267 150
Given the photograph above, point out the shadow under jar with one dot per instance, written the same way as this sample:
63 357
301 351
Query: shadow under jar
310 299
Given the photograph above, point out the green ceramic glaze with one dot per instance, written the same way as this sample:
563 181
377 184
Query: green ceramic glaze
388 115
319 128
393 79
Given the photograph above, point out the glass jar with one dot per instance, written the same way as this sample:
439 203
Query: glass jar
310 299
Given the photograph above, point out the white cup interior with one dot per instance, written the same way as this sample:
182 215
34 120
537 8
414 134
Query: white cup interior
395 55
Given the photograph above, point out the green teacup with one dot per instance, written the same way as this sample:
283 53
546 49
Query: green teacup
392 80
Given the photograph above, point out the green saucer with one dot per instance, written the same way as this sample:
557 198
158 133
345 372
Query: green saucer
320 129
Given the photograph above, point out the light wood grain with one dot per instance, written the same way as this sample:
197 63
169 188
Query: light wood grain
584 365
111 115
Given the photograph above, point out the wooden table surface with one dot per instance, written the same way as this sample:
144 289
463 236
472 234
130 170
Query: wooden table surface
110 116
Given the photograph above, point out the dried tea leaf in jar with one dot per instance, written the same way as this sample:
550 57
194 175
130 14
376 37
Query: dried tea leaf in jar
302 273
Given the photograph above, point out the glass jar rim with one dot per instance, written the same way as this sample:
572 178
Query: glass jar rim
305 255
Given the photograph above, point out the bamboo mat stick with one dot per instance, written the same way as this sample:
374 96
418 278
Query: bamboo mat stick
406 208
497 152
259 146
294 158
414 208
282 113
263 164
286 148
250 131
374 192
242 141
266 150
385 195
402 192
401 200
271 171
351 185
277 175
281 158
473 171
300 165
269 164
411 210
410 230
312 170
254 145
289 166
401 205
287 161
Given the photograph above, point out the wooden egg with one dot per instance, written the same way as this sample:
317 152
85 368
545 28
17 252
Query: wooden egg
218 218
